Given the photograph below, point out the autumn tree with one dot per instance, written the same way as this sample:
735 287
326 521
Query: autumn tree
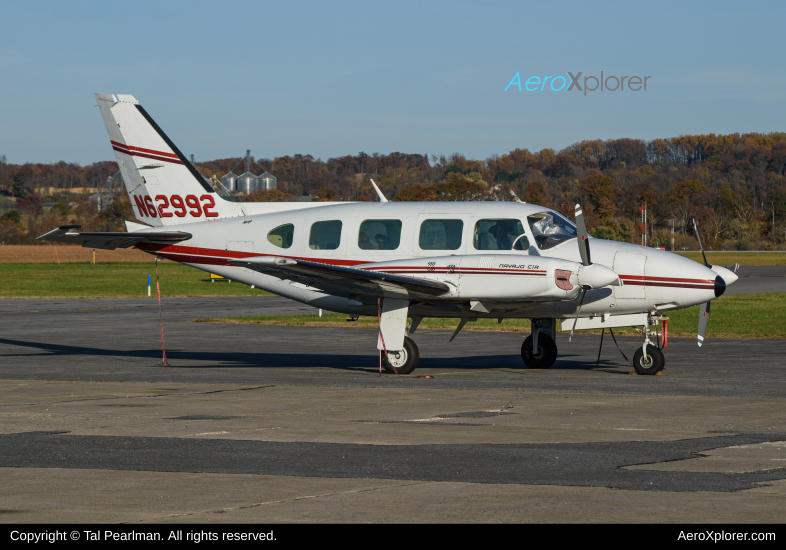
416 193
683 198
603 195
535 194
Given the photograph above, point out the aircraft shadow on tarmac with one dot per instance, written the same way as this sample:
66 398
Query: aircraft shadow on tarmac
234 359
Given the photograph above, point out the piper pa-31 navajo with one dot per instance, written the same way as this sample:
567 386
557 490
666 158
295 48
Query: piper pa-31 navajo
400 260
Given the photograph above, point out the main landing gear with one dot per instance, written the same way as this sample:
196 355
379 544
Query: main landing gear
403 361
539 350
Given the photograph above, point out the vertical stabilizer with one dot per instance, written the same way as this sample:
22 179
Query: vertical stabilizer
164 187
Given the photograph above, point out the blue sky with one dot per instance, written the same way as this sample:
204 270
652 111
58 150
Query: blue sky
336 78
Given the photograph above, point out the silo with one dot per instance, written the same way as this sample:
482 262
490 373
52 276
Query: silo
247 183
267 181
229 180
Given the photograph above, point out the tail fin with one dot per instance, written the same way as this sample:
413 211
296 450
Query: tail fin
164 187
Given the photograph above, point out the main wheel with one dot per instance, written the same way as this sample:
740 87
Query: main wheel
544 357
652 364
404 360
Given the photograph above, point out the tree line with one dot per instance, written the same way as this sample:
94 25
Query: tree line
734 185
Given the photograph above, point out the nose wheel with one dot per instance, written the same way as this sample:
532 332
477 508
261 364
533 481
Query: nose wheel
648 359
403 361
541 358
652 363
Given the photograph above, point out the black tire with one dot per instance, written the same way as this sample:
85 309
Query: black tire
410 359
655 360
545 356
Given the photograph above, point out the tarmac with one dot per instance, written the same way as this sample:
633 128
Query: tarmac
759 280
255 423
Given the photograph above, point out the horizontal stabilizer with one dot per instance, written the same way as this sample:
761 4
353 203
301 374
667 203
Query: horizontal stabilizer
111 240
342 281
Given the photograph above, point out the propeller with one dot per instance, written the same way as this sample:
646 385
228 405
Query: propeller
704 311
584 252
583 237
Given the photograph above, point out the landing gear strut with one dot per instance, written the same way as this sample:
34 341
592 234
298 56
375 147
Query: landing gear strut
404 361
539 350
648 359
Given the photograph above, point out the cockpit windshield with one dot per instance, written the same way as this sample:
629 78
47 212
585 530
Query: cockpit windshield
550 229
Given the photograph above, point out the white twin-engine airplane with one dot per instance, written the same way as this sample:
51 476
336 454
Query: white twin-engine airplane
464 260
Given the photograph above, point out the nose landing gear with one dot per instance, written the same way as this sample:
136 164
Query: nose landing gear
648 359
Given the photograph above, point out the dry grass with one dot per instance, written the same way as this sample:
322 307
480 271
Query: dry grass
68 253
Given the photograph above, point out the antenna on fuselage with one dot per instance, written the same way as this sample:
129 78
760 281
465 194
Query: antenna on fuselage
379 193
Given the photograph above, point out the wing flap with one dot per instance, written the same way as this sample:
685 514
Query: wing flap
109 240
341 280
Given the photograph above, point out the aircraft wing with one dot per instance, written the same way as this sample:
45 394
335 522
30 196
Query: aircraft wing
111 240
343 281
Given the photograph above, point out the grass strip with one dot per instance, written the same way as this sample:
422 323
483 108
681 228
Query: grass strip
742 316
112 280
742 258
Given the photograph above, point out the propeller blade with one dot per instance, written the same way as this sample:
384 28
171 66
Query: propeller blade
583 237
698 237
578 311
704 316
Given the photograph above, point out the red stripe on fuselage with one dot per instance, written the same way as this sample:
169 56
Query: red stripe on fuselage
673 285
648 278
198 252
211 256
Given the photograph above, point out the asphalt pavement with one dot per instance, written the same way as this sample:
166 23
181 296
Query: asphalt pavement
285 423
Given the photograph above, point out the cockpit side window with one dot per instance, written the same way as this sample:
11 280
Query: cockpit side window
550 229
500 234
282 235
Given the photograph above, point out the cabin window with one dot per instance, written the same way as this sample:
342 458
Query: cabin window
500 234
550 229
325 235
379 235
282 235
441 234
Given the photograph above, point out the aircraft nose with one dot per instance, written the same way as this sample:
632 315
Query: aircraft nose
720 286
